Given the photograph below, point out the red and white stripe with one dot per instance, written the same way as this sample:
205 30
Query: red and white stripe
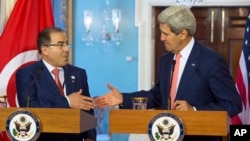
243 78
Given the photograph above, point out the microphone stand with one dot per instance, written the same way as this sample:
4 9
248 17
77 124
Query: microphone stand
170 85
31 84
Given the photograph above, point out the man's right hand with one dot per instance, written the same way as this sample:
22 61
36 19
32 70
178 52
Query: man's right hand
80 101
112 98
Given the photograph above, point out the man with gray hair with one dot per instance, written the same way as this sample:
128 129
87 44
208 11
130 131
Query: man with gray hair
192 76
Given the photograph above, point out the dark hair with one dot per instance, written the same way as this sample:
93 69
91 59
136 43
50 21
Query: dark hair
44 36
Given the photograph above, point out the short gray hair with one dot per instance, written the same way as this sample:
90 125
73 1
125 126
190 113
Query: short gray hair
178 18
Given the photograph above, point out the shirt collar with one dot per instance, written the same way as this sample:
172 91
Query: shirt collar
185 52
50 67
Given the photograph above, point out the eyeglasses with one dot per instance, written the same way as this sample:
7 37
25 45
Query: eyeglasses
61 44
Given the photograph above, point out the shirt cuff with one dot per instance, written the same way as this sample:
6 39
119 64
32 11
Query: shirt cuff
68 101
194 108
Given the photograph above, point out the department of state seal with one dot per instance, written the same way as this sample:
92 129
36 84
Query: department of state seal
23 125
166 127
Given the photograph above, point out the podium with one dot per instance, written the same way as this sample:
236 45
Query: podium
55 120
209 123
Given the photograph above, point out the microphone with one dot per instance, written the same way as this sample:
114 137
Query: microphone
170 85
31 84
169 103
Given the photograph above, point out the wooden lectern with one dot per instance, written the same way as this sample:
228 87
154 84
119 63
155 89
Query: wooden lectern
55 120
209 123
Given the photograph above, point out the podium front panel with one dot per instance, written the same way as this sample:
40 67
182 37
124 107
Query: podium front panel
214 123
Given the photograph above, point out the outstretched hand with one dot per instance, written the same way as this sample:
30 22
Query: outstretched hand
80 101
112 98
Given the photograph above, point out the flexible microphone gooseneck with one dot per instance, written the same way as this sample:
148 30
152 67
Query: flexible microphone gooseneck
170 85
31 84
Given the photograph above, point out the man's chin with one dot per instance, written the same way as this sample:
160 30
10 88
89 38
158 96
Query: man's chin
65 63
167 49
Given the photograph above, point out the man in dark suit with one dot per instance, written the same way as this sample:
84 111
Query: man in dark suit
36 86
203 83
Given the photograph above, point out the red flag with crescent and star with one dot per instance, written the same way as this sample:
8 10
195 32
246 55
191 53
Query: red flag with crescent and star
18 42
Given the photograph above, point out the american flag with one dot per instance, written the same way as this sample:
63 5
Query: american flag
243 78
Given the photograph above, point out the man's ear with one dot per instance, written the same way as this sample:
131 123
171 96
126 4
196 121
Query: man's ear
184 34
44 50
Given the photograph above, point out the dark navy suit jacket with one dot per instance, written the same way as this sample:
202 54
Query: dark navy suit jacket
205 83
36 82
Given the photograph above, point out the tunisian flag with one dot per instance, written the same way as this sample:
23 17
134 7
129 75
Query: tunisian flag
18 42
243 78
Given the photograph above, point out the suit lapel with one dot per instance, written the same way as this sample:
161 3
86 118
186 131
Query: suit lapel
190 68
70 80
48 80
